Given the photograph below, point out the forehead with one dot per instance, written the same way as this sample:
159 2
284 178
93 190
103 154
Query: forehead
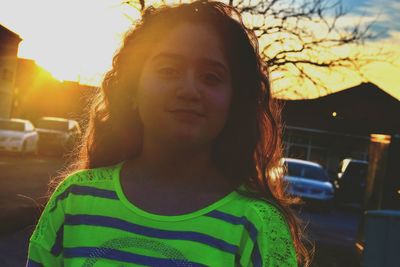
191 42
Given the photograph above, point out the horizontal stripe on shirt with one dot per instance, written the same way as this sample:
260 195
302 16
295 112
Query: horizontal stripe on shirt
32 263
115 223
58 243
85 191
255 256
235 220
118 255
249 226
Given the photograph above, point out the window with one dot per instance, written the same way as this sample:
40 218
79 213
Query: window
53 124
12 125
297 152
29 126
307 171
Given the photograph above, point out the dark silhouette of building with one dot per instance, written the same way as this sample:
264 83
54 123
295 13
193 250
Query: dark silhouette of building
361 110
9 42
337 126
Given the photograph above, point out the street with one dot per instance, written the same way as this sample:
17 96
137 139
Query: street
24 180
334 236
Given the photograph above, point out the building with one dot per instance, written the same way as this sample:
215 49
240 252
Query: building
9 42
336 126
32 84
37 93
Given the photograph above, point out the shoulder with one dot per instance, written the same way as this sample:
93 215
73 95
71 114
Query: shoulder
89 177
272 239
263 215
274 236
268 213
260 211
92 182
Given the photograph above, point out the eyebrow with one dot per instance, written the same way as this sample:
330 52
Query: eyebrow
202 60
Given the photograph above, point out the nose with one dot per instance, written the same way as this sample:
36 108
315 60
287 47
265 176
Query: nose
188 89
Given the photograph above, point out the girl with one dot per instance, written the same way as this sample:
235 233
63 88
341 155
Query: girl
176 167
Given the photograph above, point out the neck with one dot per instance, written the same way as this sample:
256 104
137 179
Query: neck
177 166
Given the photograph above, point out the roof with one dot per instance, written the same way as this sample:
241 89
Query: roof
15 120
54 118
362 110
304 162
361 91
6 33
355 160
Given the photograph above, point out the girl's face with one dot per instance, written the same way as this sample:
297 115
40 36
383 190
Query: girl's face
185 89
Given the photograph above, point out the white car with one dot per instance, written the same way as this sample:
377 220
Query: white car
18 135
309 181
57 135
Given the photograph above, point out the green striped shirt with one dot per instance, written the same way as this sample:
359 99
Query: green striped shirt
88 221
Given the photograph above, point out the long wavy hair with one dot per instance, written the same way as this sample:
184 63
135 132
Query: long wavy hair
249 148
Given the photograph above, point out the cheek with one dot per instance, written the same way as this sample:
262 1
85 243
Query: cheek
150 101
220 105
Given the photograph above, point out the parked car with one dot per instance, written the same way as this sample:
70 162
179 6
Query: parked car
18 135
309 181
57 135
351 182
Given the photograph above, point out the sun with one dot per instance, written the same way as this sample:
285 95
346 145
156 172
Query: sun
74 40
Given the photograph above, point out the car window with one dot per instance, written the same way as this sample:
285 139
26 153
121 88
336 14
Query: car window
29 126
356 169
12 125
52 125
307 171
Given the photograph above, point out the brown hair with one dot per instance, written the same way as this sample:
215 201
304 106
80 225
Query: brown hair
248 150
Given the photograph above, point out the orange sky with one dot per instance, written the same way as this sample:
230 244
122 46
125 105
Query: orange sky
75 40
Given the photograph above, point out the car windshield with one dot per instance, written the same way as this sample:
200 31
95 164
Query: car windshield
12 126
53 125
307 171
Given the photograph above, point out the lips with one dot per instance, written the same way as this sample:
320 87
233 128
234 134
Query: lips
183 111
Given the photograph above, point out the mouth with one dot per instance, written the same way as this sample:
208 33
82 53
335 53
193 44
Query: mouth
187 112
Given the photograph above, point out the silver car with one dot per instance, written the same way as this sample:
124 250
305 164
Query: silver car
309 181
18 136
57 135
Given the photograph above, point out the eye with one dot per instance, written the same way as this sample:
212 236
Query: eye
211 78
168 72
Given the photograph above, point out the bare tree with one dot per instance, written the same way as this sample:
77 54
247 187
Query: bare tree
300 39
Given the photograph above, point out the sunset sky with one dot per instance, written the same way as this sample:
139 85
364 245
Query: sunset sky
76 39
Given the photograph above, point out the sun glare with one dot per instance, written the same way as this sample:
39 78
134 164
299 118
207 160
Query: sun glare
74 40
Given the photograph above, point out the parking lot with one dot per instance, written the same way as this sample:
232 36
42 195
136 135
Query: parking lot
24 180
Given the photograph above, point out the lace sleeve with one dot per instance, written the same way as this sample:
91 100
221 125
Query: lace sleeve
46 242
274 240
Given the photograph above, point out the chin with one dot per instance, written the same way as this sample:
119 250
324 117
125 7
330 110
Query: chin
186 138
